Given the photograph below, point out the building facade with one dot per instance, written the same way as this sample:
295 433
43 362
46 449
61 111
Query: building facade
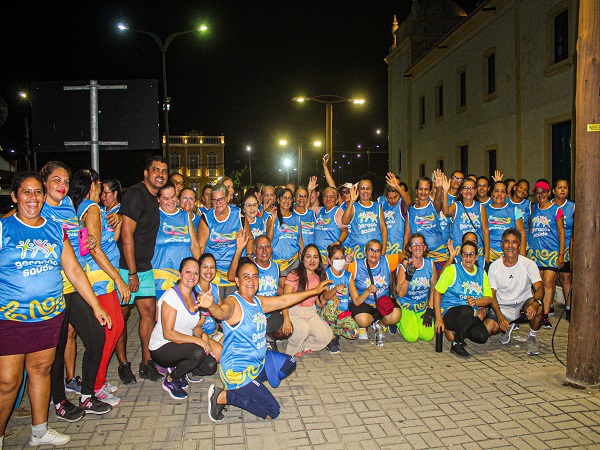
199 159
490 90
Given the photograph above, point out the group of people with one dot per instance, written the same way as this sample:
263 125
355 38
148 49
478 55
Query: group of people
220 285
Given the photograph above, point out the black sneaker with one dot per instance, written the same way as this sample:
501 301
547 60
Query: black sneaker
568 314
546 322
334 346
69 412
393 329
459 350
215 410
125 374
149 372
95 406
551 312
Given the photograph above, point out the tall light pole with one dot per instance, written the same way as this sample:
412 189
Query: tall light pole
249 149
163 47
286 164
283 142
329 100
24 96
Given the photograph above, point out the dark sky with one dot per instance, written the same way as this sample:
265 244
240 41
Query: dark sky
238 79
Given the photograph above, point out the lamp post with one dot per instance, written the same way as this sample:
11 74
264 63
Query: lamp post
329 100
24 96
163 47
286 164
283 143
249 149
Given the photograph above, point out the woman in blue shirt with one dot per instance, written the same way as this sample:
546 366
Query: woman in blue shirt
561 194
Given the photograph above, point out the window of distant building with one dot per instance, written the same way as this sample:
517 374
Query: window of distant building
559 39
439 101
174 161
422 170
463 156
211 160
489 75
194 161
461 90
440 164
422 111
491 163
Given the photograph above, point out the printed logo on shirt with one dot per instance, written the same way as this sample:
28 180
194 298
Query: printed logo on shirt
221 238
470 288
540 220
173 230
425 222
323 221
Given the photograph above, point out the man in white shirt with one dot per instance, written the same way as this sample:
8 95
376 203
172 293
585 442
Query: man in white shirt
511 279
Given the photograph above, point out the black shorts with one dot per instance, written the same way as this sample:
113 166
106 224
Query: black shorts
368 309
566 268
274 322
552 269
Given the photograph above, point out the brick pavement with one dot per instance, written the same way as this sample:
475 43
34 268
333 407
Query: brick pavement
401 396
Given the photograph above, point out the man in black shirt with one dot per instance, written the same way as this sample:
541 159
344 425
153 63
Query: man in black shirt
141 220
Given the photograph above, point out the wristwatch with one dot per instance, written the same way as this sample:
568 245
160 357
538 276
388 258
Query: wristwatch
538 301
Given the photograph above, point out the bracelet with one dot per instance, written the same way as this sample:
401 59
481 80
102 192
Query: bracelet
539 302
132 274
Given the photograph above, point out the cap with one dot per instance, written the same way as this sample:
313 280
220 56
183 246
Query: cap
345 185
274 361
541 184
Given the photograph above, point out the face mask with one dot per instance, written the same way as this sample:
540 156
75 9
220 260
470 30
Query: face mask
338 264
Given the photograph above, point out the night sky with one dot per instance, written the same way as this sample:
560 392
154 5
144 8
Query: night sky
238 79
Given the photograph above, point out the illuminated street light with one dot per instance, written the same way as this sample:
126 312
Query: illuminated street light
249 149
329 100
163 47
283 143
286 164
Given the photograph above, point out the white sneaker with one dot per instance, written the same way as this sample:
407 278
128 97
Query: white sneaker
52 437
504 338
111 387
362 333
106 396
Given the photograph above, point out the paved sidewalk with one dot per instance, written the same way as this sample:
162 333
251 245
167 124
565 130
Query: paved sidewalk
401 396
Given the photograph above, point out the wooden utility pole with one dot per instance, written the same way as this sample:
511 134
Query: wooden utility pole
583 353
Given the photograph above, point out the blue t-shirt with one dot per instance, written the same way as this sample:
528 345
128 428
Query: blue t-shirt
419 288
343 278
221 241
425 220
363 227
394 221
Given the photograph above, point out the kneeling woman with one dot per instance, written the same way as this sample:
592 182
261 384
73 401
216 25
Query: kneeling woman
244 363
177 339
460 290
415 281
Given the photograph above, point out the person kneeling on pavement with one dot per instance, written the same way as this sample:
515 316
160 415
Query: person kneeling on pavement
511 278
461 294
242 367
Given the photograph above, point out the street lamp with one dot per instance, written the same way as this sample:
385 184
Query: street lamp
283 143
24 96
286 164
329 100
249 149
163 47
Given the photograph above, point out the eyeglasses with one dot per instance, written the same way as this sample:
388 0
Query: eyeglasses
301 195
468 188
218 200
251 205
177 183
345 191
106 192
285 197
365 188
417 244
188 199
468 255
374 250
455 178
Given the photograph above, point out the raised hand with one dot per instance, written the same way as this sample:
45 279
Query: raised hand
497 176
312 183
241 239
326 158
205 300
438 178
445 183
390 179
354 193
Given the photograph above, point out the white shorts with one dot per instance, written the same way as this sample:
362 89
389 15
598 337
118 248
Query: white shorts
513 311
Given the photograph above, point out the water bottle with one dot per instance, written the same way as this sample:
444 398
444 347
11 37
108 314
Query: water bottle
439 342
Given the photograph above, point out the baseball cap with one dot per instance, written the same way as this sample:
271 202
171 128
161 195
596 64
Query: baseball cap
274 361
344 186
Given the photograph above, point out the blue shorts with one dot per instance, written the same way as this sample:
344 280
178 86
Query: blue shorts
147 287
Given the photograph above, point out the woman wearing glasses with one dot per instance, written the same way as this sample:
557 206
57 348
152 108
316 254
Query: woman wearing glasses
460 290
415 280
370 289
466 214
217 232
187 202
365 220
547 241
258 224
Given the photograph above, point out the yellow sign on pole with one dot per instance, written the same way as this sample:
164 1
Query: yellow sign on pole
593 127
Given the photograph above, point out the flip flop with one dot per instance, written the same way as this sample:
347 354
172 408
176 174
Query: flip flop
308 351
298 354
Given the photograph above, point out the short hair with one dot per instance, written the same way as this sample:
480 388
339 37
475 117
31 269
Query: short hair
512 231
261 236
220 187
245 261
20 177
50 167
167 185
155 158
483 177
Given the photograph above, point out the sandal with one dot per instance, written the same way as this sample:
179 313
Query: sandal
298 354
308 351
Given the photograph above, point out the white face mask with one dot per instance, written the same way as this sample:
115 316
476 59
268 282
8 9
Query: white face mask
338 264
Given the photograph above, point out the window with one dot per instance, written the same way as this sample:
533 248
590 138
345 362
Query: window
174 161
422 111
491 74
462 89
422 170
211 160
561 151
193 161
491 163
439 101
440 164
561 36
464 159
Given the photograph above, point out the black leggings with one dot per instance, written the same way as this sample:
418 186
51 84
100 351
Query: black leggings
81 316
185 358
465 325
